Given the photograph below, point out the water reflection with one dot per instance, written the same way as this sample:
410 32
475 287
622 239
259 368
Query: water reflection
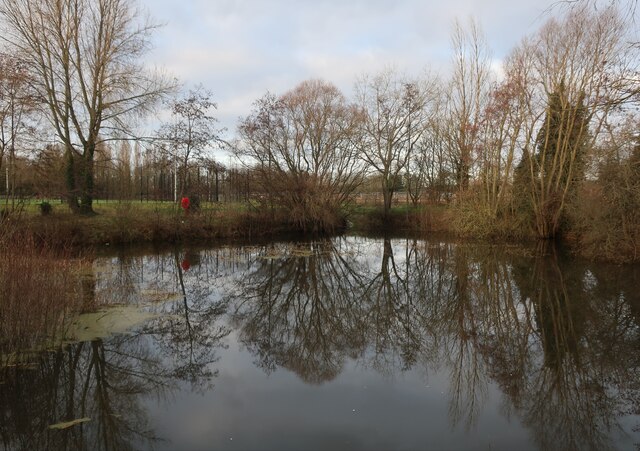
298 307
108 381
557 339
98 380
560 338
576 370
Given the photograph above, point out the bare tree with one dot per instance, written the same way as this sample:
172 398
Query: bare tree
582 70
395 112
190 133
303 144
468 94
430 171
85 56
16 108
432 156
505 127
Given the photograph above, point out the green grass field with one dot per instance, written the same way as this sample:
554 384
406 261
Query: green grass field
107 207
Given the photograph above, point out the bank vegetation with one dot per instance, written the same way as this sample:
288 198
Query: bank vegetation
546 147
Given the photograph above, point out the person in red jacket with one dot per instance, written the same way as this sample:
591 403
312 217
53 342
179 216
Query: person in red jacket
185 204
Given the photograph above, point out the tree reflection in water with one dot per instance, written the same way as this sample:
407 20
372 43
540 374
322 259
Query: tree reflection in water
99 380
107 380
560 338
299 307
575 367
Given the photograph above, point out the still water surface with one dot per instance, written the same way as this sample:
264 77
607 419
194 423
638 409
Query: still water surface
349 343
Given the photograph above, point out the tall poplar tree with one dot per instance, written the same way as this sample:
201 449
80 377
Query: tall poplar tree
85 56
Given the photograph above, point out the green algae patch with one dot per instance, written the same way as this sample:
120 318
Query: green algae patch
159 296
106 322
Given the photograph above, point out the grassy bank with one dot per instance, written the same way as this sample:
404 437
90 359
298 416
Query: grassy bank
132 222
165 222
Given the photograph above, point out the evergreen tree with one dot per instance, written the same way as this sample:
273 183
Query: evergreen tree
562 143
522 185
545 183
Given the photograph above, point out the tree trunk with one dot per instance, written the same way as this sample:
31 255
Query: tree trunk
217 187
70 181
86 173
463 174
387 194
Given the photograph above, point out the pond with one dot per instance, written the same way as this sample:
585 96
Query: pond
344 343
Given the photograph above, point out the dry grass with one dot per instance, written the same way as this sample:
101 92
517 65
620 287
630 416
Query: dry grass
473 220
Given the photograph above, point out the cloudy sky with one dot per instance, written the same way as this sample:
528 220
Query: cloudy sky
239 49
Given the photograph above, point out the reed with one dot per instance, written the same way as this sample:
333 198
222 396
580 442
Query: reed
40 287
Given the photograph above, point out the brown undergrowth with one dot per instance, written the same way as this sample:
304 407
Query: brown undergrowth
40 287
128 224
402 219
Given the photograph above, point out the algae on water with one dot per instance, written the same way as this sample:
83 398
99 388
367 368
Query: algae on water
105 322
158 296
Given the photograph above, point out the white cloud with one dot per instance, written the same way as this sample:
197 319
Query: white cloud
239 49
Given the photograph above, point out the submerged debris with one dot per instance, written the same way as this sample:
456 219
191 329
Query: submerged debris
68 424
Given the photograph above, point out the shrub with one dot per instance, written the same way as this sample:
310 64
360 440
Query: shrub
473 219
45 208
194 200
607 219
